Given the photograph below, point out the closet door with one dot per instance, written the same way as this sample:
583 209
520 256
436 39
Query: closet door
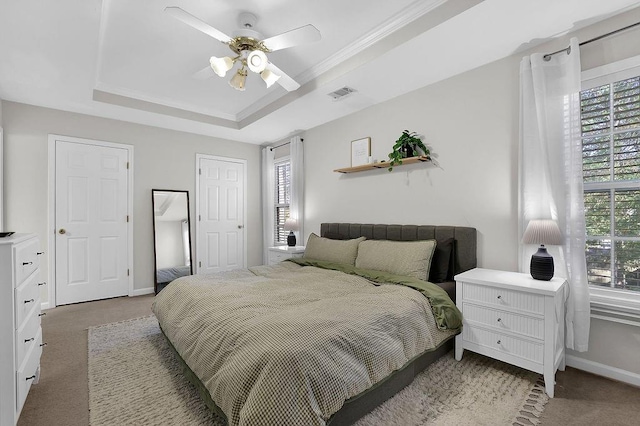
220 223
91 196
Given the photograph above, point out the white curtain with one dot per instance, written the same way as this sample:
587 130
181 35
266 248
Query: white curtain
550 184
296 207
268 191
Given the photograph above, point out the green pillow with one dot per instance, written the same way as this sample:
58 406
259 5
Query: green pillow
408 258
339 251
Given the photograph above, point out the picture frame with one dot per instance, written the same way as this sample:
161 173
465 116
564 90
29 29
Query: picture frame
360 151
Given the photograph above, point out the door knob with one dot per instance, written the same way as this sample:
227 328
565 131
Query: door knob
240 226
62 231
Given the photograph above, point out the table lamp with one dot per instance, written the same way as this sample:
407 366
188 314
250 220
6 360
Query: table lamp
542 231
291 225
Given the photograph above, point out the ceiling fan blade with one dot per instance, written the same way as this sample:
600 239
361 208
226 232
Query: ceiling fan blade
196 23
302 35
204 73
284 80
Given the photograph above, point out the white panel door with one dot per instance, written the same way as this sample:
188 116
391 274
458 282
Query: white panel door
220 240
91 184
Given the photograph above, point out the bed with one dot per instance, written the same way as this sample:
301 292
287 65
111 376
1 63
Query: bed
315 341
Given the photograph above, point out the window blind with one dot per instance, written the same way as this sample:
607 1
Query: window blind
610 125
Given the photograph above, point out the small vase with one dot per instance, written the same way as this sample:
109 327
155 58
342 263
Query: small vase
407 151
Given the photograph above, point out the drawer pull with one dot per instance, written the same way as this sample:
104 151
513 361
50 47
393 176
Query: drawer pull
499 297
42 314
43 344
499 319
499 342
29 340
39 253
29 301
42 283
27 263
30 378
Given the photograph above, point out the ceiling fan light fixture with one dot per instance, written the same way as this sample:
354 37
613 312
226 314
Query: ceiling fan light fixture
269 77
257 61
239 79
221 65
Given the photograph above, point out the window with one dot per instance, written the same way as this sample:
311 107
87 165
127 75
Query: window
282 199
610 129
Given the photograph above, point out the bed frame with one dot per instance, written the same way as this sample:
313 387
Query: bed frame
463 259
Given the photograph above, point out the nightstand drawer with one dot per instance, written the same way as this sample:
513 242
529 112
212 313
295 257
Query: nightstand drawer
278 255
504 321
506 344
503 298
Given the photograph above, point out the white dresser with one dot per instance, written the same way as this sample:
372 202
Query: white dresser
514 318
20 332
279 253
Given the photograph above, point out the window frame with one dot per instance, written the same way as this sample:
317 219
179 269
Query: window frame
613 304
276 205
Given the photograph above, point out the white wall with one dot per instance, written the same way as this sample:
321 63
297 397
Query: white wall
163 159
471 124
472 183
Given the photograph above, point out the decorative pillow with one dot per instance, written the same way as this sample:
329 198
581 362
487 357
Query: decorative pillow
441 260
339 251
410 258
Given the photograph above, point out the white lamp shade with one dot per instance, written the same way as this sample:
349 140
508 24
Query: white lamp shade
221 65
542 231
238 80
257 61
290 225
269 77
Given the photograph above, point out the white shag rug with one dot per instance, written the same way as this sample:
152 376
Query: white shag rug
135 379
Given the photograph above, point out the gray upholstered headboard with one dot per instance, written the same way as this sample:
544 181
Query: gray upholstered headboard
465 246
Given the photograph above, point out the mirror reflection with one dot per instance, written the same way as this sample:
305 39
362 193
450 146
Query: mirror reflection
172 236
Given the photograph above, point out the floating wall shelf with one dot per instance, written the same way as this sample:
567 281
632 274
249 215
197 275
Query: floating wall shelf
383 164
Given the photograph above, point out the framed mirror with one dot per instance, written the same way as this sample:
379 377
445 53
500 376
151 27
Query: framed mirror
171 236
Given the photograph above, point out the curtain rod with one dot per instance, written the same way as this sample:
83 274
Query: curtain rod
271 148
548 56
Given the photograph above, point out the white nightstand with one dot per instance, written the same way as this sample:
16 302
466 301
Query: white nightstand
511 317
279 253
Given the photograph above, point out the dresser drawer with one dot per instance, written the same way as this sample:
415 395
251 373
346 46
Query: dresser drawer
28 374
28 335
506 344
26 259
27 298
504 298
504 321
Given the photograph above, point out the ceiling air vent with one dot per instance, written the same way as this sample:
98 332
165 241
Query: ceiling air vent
341 93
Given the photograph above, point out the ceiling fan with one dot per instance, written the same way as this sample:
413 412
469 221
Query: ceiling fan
249 49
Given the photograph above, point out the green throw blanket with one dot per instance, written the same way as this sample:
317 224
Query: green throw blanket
446 313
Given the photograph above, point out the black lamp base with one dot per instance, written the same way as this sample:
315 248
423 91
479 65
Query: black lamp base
291 239
541 267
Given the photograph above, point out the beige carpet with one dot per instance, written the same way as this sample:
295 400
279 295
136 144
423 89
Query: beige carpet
134 379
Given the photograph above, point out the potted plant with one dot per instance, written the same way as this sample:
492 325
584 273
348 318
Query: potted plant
406 146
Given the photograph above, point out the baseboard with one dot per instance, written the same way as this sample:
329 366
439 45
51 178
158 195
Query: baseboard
603 370
142 291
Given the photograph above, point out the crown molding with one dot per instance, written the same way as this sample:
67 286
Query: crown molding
170 104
